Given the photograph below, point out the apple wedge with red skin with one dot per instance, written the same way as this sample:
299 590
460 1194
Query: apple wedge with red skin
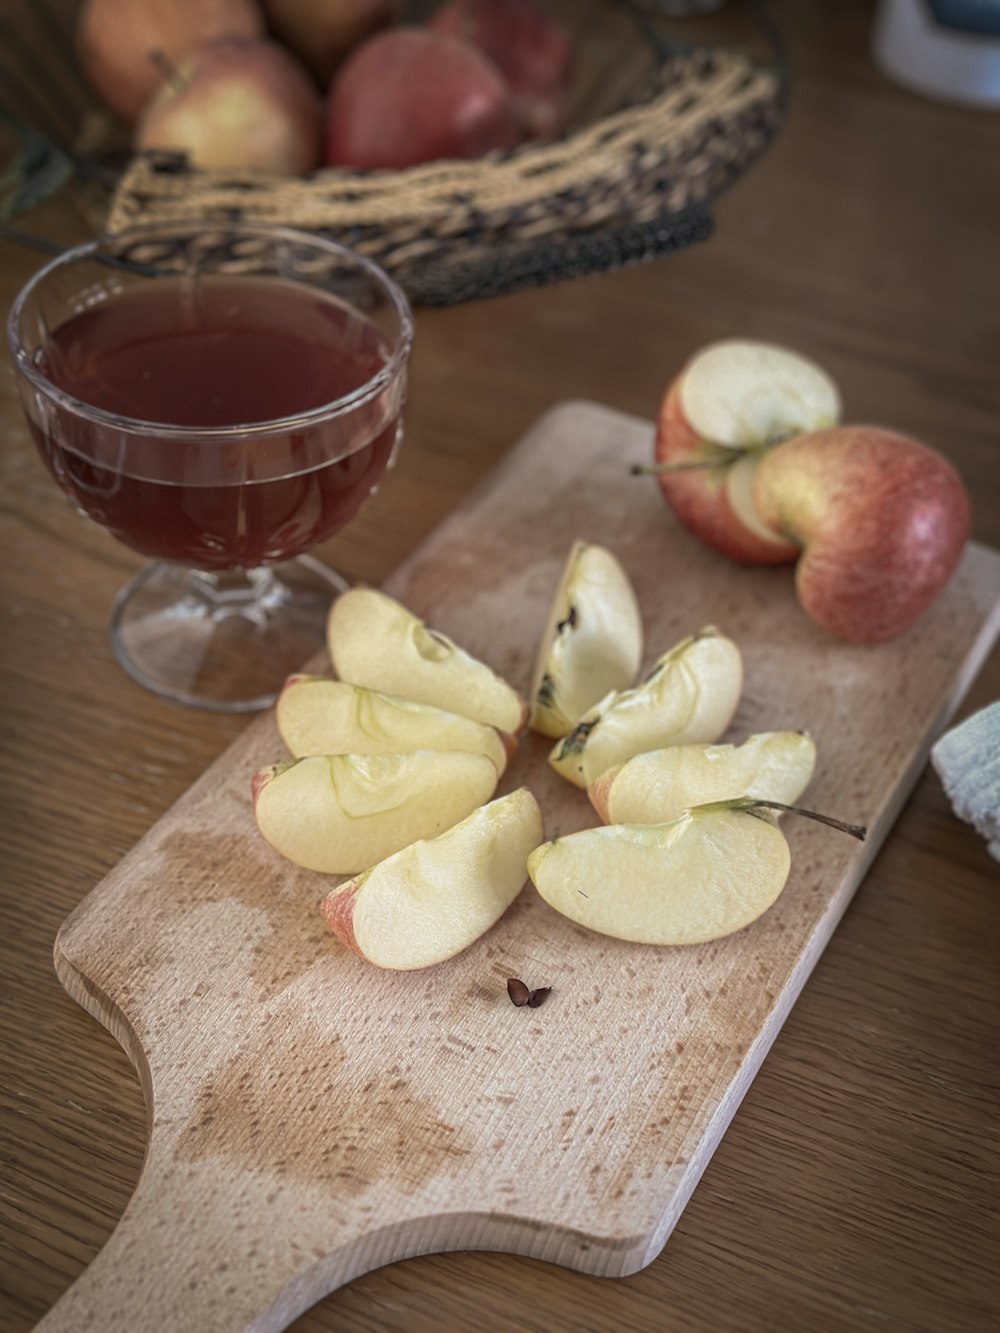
437 896
882 521
731 403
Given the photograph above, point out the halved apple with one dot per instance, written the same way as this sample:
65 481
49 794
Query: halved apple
691 694
730 403
376 642
696 878
434 898
316 715
660 785
341 813
592 642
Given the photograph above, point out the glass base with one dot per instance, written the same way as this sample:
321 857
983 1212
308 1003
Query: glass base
222 641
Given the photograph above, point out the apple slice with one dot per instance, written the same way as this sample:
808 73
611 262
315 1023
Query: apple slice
704 875
660 785
431 900
592 642
376 642
341 813
316 715
690 695
729 404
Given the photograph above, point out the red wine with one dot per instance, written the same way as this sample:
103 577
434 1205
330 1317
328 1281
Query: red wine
218 352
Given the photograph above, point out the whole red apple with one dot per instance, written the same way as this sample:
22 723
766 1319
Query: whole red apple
117 41
731 402
531 50
407 96
322 32
238 105
882 519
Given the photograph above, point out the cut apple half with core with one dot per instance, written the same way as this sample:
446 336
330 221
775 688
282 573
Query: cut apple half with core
339 814
592 642
437 896
660 785
744 394
318 716
690 695
731 403
376 642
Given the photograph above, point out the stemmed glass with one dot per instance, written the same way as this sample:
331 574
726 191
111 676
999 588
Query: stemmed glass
220 398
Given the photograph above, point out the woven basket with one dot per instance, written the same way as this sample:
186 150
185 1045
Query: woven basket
630 186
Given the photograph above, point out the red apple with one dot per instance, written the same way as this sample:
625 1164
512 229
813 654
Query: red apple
731 402
532 51
238 105
407 96
883 521
117 40
322 32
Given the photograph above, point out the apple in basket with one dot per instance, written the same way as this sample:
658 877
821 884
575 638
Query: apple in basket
117 42
238 104
532 51
322 32
408 96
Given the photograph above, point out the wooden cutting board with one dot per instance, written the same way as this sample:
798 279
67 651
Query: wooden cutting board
312 1118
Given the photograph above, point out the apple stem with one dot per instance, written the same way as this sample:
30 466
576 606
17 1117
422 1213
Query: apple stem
168 70
858 831
695 465
706 464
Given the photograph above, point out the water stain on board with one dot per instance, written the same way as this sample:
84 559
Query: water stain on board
291 1103
242 868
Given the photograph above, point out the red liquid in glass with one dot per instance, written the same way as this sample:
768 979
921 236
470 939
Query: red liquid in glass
221 352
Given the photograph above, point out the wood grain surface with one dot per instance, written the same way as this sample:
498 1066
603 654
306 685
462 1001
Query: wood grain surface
856 1187
312 1118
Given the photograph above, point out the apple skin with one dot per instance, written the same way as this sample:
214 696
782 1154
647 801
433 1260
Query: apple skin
699 497
532 52
322 32
883 521
408 96
116 37
239 104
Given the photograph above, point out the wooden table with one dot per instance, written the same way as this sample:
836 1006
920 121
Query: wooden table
857 1185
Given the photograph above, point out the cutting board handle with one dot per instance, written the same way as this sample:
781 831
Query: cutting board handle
179 1260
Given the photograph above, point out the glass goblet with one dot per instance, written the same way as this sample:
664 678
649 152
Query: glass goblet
221 398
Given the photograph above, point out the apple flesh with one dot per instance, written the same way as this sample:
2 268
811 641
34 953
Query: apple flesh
729 405
434 898
592 642
238 105
658 786
408 96
339 814
882 520
531 50
376 642
708 873
322 32
117 41
690 695
318 716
